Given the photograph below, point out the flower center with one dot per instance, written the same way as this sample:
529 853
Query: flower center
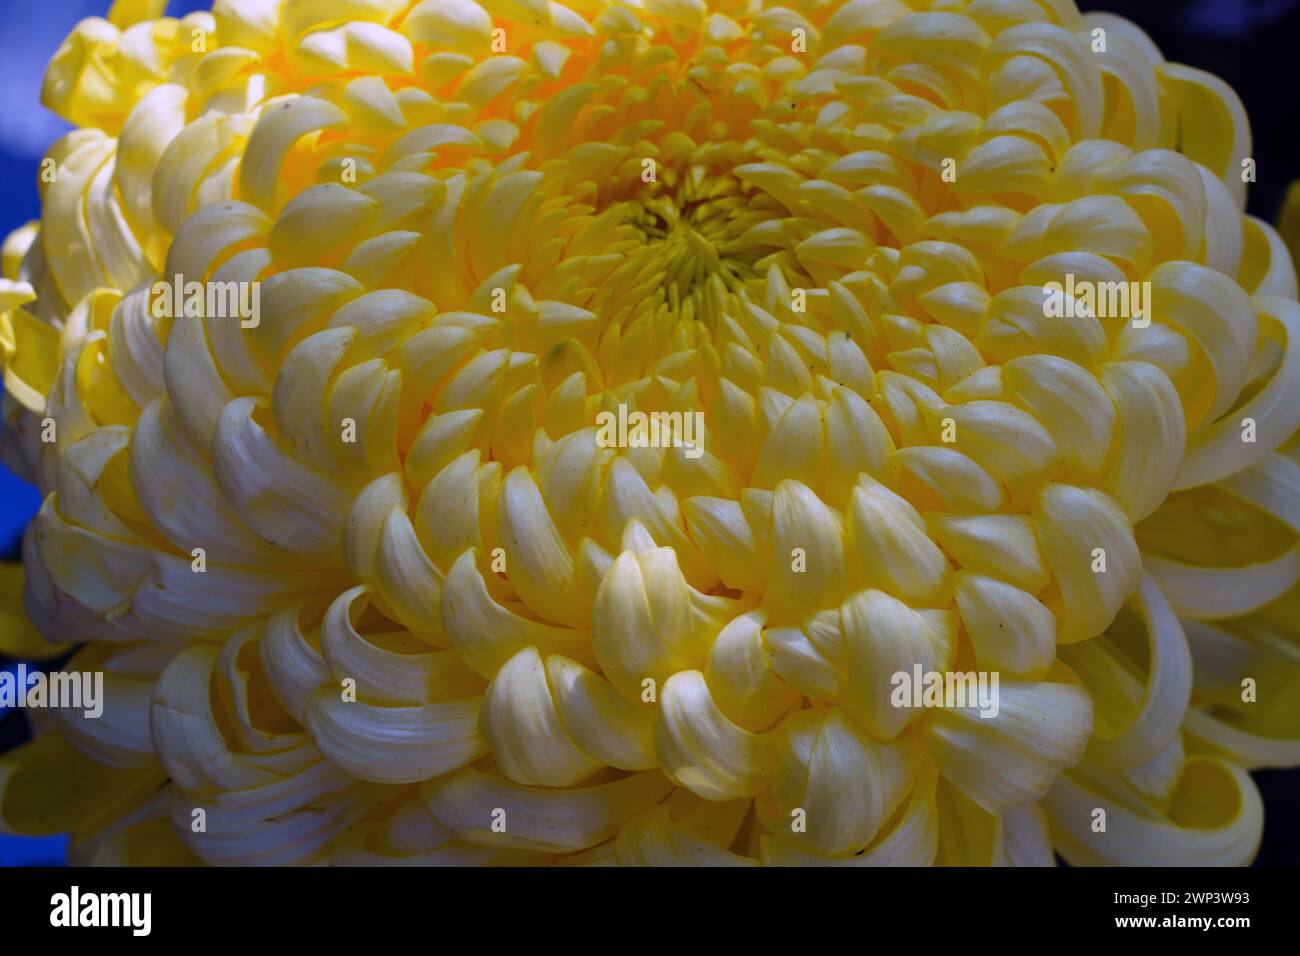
697 225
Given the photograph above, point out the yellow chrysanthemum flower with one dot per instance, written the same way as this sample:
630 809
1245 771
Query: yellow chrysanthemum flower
366 579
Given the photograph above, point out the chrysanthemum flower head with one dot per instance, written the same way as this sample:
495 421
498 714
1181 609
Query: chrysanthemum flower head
357 350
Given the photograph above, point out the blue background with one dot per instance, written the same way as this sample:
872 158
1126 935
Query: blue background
1246 42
